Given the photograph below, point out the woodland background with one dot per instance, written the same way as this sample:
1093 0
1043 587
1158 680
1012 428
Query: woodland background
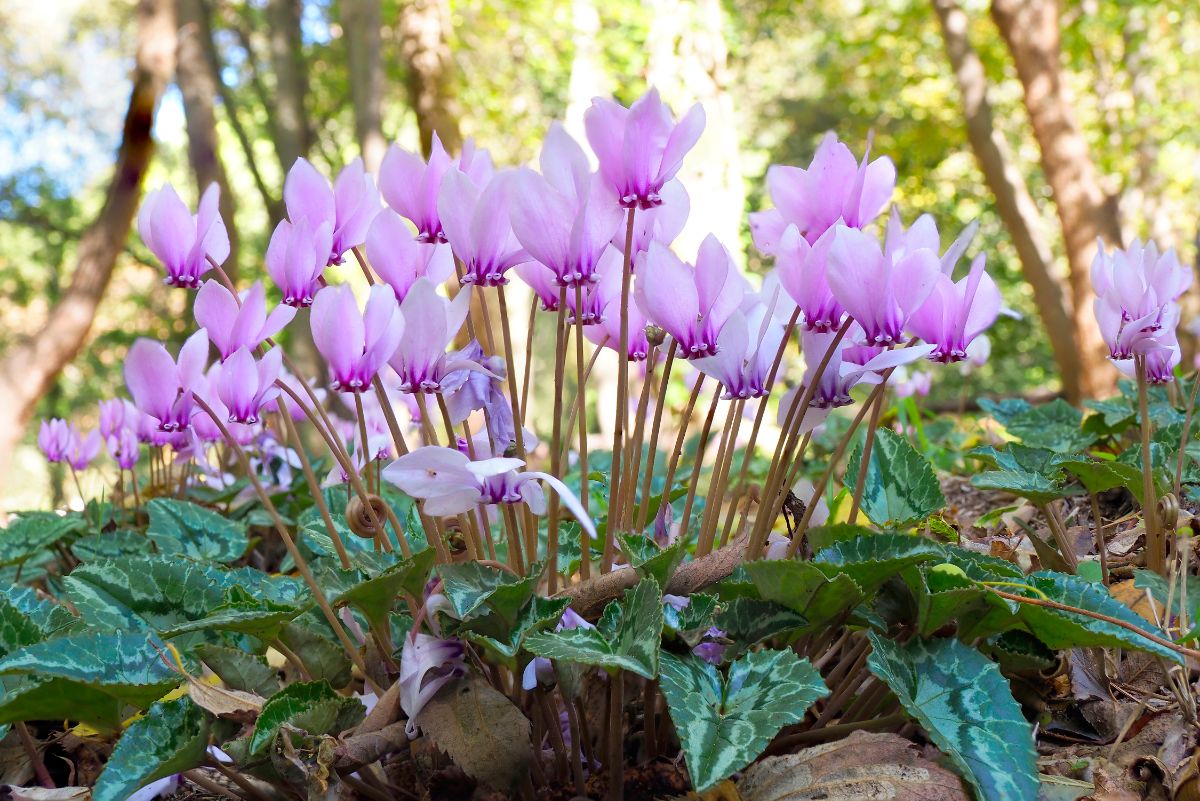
1051 123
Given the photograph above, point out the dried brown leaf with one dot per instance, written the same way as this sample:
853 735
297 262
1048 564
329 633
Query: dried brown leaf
365 748
236 705
1137 599
481 730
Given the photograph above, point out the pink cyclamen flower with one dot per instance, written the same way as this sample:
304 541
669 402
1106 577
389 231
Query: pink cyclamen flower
565 217
467 391
747 347
56 439
450 483
880 289
540 670
475 219
1137 289
835 187
662 223
801 270
116 414
400 260
125 448
850 365
349 207
183 243
83 450
955 313
544 283
640 148
233 325
162 386
601 310
296 256
411 186
356 344
907 385
692 304
430 324
245 386
426 665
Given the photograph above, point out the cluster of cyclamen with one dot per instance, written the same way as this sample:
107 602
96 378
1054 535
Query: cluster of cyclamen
1136 306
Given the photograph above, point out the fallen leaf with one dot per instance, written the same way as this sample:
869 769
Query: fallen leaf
236 705
1137 599
481 730
10 792
367 747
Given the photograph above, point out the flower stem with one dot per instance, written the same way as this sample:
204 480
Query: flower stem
622 379
1155 556
556 462
655 427
676 452
1183 437
698 463
864 463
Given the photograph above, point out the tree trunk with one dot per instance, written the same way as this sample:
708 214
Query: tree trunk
425 42
293 134
1031 30
1016 208
195 77
362 20
28 369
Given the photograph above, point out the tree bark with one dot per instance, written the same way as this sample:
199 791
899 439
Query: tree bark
195 77
1085 212
293 133
362 21
425 43
28 369
1013 202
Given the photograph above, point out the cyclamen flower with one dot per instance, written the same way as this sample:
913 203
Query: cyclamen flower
662 223
430 324
747 348
801 268
467 391
906 384
879 289
355 344
564 217
849 365
162 386
183 243
125 448
835 188
83 450
540 670
400 260
602 310
56 439
246 386
426 665
450 483
955 313
411 186
691 303
476 223
296 256
348 208
1137 289
117 414
232 325
640 148
544 283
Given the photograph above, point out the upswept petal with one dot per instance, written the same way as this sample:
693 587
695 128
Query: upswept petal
307 194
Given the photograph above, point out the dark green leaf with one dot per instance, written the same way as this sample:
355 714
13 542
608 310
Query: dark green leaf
1102 476
375 596
470 587
187 529
33 533
872 560
805 589
901 488
1033 486
170 738
748 621
111 545
507 639
314 643
240 670
312 706
649 560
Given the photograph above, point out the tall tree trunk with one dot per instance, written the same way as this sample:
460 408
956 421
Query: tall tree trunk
362 20
293 133
425 42
1013 201
1031 30
28 369
195 77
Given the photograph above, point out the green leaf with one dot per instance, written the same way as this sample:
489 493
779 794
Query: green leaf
111 545
725 722
821 537
649 560
312 706
33 533
804 588
966 707
170 738
89 677
872 560
748 621
470 587
901 488
314 643
375 596
943 594
1103 476
1034 486
507 639
187 529
49 617
626 637
262 618
16 629
240 670
693 620
1055 425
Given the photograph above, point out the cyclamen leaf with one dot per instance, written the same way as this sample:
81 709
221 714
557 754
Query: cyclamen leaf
748 621
507 639
1055 425
804 588
170 738
325 709
49 617
725 722
33 533
471 586
188 529
240 670
626 637
1033 486
375 596
112 545
16 629
901 487
966 707
873 559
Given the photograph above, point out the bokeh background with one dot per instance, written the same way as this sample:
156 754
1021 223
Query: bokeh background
1050 124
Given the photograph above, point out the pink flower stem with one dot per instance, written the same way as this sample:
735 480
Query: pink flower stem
698 464
673 463
637 440
366 271
556 461
648 477
622 384
1155 550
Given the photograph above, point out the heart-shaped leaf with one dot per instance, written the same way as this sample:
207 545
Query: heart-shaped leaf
874 559
187 529
170 738
312 706
804 588
33 533
901 488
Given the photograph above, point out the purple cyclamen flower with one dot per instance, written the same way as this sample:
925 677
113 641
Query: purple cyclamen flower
602 310
801 270
880 289
83 450
348 208
834 188
746 350
245 386
540 670
450 483
1137 289
116 414
906 385
850 365
411 186
232 325
692 304
426 665
476 223
56 438
544 283
467 391
712 648
565 217
294 409
162 386
640 148
430 324
356 344
955 313
978 353
296 256
125 448
660 223
183 243
400 260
